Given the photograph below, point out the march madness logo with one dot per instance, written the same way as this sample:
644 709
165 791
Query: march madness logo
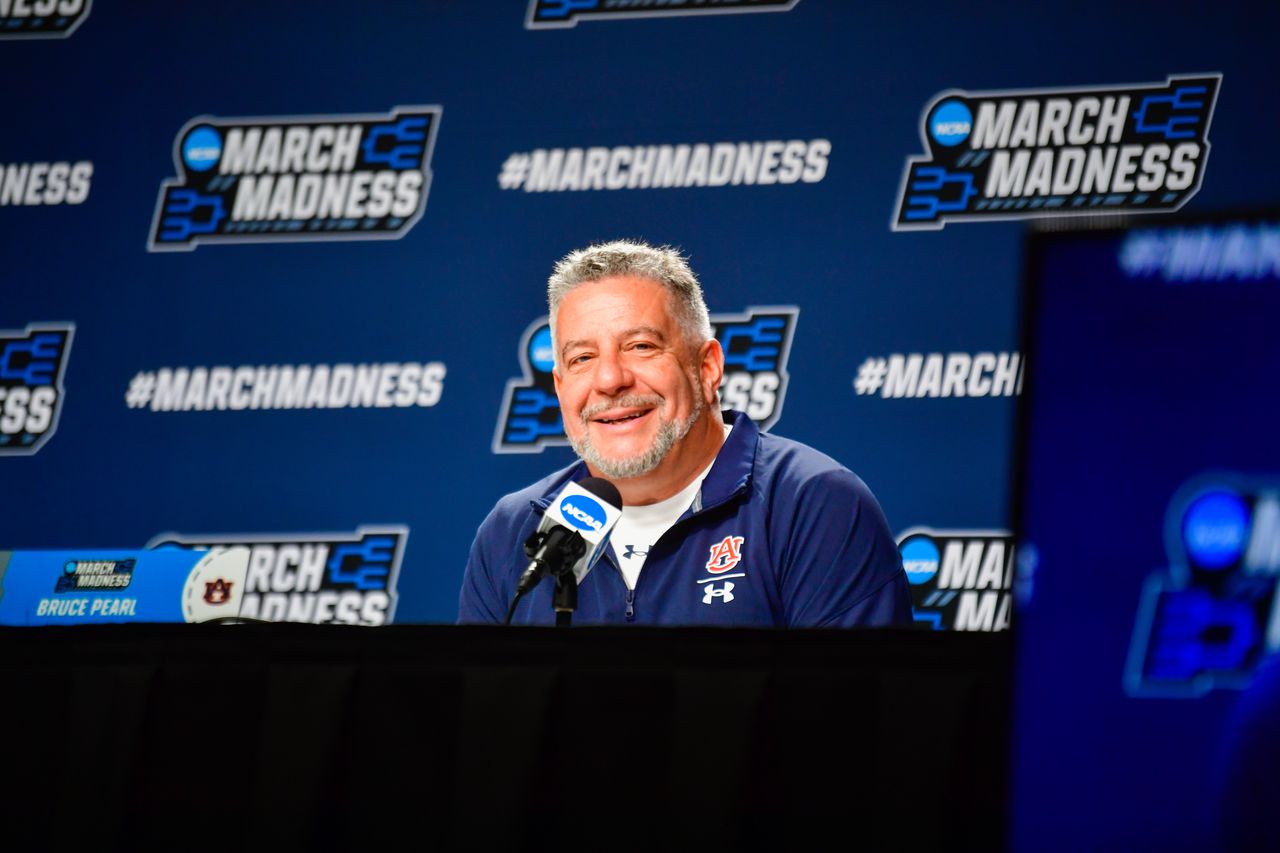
960 579
336 578
549 14
35 19
95 575
756 347
1058 152
32 363
296 178
1213 615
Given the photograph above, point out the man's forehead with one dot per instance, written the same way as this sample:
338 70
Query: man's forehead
630 286
626 300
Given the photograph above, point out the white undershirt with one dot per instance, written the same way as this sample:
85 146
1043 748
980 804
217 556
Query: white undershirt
641 526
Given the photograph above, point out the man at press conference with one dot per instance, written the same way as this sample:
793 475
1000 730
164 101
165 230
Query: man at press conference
721 524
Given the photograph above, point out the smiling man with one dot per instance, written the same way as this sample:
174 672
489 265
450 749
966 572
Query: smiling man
721 524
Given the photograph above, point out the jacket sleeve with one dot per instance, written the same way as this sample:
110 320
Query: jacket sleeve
841 567
480 600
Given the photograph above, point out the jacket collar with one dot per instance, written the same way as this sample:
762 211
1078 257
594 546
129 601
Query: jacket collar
730 474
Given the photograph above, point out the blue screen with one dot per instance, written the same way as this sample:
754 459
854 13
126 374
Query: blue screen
1148 514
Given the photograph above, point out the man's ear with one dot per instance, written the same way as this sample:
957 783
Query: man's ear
710 368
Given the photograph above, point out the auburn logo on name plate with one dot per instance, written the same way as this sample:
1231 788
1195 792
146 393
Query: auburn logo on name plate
218 591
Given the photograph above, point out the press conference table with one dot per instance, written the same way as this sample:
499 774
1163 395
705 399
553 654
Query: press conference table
293 737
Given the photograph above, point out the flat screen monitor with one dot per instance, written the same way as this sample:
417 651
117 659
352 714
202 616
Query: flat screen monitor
1147 511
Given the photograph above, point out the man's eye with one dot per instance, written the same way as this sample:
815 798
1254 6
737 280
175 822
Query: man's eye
579 359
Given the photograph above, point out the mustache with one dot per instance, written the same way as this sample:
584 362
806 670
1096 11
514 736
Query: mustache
626 401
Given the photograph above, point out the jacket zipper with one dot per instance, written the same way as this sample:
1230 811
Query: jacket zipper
630 615
631 593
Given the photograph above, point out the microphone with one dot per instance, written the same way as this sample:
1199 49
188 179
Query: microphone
550 548
574 532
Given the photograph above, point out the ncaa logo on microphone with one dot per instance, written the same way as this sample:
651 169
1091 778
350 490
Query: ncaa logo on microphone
583 513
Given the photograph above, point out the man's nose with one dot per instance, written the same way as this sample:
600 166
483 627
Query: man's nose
611 374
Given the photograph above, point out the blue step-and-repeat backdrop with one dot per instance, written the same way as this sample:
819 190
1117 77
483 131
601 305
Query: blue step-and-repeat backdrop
274 273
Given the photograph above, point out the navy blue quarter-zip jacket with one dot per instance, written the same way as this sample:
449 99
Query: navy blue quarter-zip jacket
780 535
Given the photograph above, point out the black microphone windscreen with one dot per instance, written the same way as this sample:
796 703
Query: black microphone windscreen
602 489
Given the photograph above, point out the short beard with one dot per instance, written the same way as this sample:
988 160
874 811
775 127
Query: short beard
669 432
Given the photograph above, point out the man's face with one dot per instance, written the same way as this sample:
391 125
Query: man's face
630 387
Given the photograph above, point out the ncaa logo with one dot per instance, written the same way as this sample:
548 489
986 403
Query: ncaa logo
950 122
1214 529
1209 619
202 148
582 512
919 558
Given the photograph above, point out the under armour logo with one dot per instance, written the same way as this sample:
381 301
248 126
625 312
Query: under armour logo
724 593
632 552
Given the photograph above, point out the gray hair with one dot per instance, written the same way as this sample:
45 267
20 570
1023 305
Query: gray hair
662 264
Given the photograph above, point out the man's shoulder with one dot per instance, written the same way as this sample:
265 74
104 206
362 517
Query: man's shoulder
516 504
780 469
796 462
790 473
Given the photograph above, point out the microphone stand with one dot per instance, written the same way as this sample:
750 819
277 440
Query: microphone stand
552 552
565 600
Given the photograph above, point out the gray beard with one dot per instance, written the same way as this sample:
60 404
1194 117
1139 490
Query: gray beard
669 432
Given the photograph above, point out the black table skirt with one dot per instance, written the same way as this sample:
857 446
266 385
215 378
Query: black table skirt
291 737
